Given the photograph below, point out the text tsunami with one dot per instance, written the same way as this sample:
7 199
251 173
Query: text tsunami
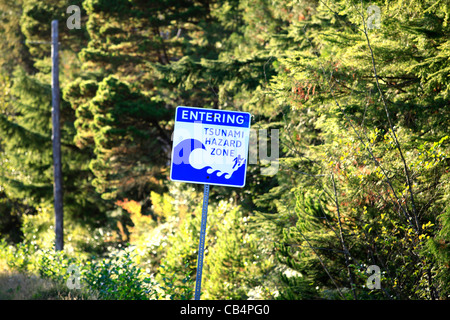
220 138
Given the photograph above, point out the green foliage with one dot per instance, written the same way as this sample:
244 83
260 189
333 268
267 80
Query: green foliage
17 257
114 277
174 286
54 265
364 147
25 123
13 50
331 90
115 133
296 288
234 264
118 278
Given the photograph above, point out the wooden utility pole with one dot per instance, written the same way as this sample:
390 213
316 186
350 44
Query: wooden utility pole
56 139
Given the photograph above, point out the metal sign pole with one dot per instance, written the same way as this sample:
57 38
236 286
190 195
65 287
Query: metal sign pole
56 140
201 245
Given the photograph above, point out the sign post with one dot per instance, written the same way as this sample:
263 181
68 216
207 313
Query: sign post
210 147
201 244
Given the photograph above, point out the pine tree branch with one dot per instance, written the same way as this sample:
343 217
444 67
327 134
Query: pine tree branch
377 163
341 238
318 248
321 262
405 166
378 260
164 59
30 139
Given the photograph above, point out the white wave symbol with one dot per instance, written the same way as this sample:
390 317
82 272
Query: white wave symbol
201 158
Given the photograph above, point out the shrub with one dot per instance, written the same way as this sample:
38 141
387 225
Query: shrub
118 278
176 287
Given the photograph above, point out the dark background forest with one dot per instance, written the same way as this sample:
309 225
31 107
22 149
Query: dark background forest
360 115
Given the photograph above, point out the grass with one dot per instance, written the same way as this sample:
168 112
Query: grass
23 286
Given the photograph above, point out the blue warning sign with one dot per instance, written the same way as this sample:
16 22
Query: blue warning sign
210 146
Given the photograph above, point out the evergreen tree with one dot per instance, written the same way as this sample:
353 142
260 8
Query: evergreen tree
389 166
118 74
25 123
232 262
13 50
